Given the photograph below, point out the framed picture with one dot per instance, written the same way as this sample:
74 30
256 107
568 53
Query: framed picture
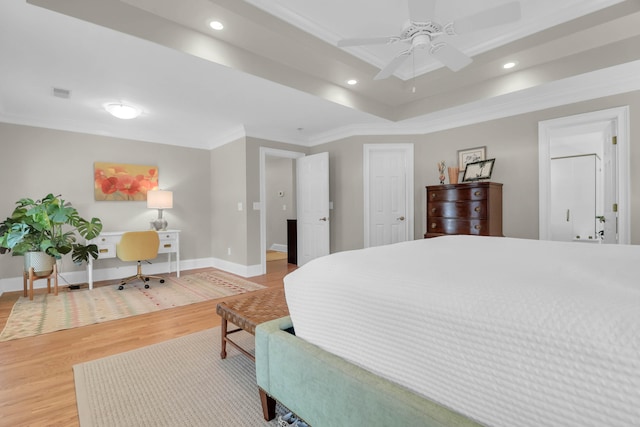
478 170
121 181
471 155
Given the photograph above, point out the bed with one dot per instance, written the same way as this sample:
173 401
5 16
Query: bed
499 331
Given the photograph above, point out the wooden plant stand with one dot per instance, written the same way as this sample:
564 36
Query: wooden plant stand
30 276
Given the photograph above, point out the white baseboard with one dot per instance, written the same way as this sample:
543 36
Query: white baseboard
278 247
65 278
239 269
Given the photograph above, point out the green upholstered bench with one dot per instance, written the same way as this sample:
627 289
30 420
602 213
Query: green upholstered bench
326 390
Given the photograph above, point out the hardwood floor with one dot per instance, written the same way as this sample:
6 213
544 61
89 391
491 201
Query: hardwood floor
36 376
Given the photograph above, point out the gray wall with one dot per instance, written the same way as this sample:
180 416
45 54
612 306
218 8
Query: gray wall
228 189
208 185
36 161
513 141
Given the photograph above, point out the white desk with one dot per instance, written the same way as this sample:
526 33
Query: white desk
107 241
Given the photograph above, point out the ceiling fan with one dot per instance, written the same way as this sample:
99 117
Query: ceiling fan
422 32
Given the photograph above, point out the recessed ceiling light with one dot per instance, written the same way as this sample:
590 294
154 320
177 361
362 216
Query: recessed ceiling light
216 25
352 82
509 64
122 111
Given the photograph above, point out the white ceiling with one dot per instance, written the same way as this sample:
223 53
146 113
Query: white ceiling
275 73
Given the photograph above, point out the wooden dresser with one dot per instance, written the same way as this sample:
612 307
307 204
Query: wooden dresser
469 208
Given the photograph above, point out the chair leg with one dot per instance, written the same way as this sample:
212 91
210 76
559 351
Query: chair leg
139 276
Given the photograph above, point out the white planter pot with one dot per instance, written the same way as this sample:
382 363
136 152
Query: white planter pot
41 262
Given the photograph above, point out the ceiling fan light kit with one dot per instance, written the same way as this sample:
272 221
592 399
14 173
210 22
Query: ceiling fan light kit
422 31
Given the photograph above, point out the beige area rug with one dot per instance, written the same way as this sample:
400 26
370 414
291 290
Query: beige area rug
180 382
71 309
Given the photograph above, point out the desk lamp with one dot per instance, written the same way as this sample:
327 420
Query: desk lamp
159 199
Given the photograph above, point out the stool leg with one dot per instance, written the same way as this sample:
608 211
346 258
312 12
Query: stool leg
49 284
223 335
25 277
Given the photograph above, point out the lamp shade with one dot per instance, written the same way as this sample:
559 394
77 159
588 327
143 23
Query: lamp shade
160 199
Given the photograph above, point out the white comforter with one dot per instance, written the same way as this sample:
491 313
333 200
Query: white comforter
509 332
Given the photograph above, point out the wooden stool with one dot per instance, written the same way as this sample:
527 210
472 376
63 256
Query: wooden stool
247 312
31 276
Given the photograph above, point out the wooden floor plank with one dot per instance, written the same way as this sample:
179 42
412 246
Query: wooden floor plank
36 376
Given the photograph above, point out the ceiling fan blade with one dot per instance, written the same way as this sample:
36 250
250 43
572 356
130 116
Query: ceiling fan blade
422 10
392 66
450 56
504 14
366 41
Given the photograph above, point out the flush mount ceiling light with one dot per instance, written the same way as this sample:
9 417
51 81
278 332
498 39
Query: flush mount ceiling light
122 111
509 65
352 82
216 25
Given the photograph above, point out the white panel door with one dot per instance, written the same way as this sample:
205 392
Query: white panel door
313 207
387 197
561 174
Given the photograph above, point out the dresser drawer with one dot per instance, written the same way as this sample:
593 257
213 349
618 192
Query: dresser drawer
468 209
458 226
451 194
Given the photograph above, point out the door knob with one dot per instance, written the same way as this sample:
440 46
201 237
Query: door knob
400 218
324 218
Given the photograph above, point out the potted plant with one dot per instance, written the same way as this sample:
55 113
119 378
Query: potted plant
48 226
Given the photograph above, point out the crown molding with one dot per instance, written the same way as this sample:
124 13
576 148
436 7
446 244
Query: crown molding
596 84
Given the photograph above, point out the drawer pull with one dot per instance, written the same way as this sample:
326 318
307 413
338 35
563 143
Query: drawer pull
477 227
167 245
433 210
103 239
433 225
477 193
477 209
103 251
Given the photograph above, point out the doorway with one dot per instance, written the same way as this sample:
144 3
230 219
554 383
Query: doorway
275 166
584 177
279 205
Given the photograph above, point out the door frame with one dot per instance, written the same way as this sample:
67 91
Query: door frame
409 178
548 129
264 152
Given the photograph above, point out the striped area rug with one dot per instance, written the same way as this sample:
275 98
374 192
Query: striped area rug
180 382
71 309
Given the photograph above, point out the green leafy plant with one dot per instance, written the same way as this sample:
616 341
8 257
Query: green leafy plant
48 225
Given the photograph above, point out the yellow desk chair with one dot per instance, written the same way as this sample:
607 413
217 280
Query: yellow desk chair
138 246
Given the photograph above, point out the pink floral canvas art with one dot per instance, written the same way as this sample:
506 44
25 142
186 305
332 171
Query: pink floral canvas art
118 181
